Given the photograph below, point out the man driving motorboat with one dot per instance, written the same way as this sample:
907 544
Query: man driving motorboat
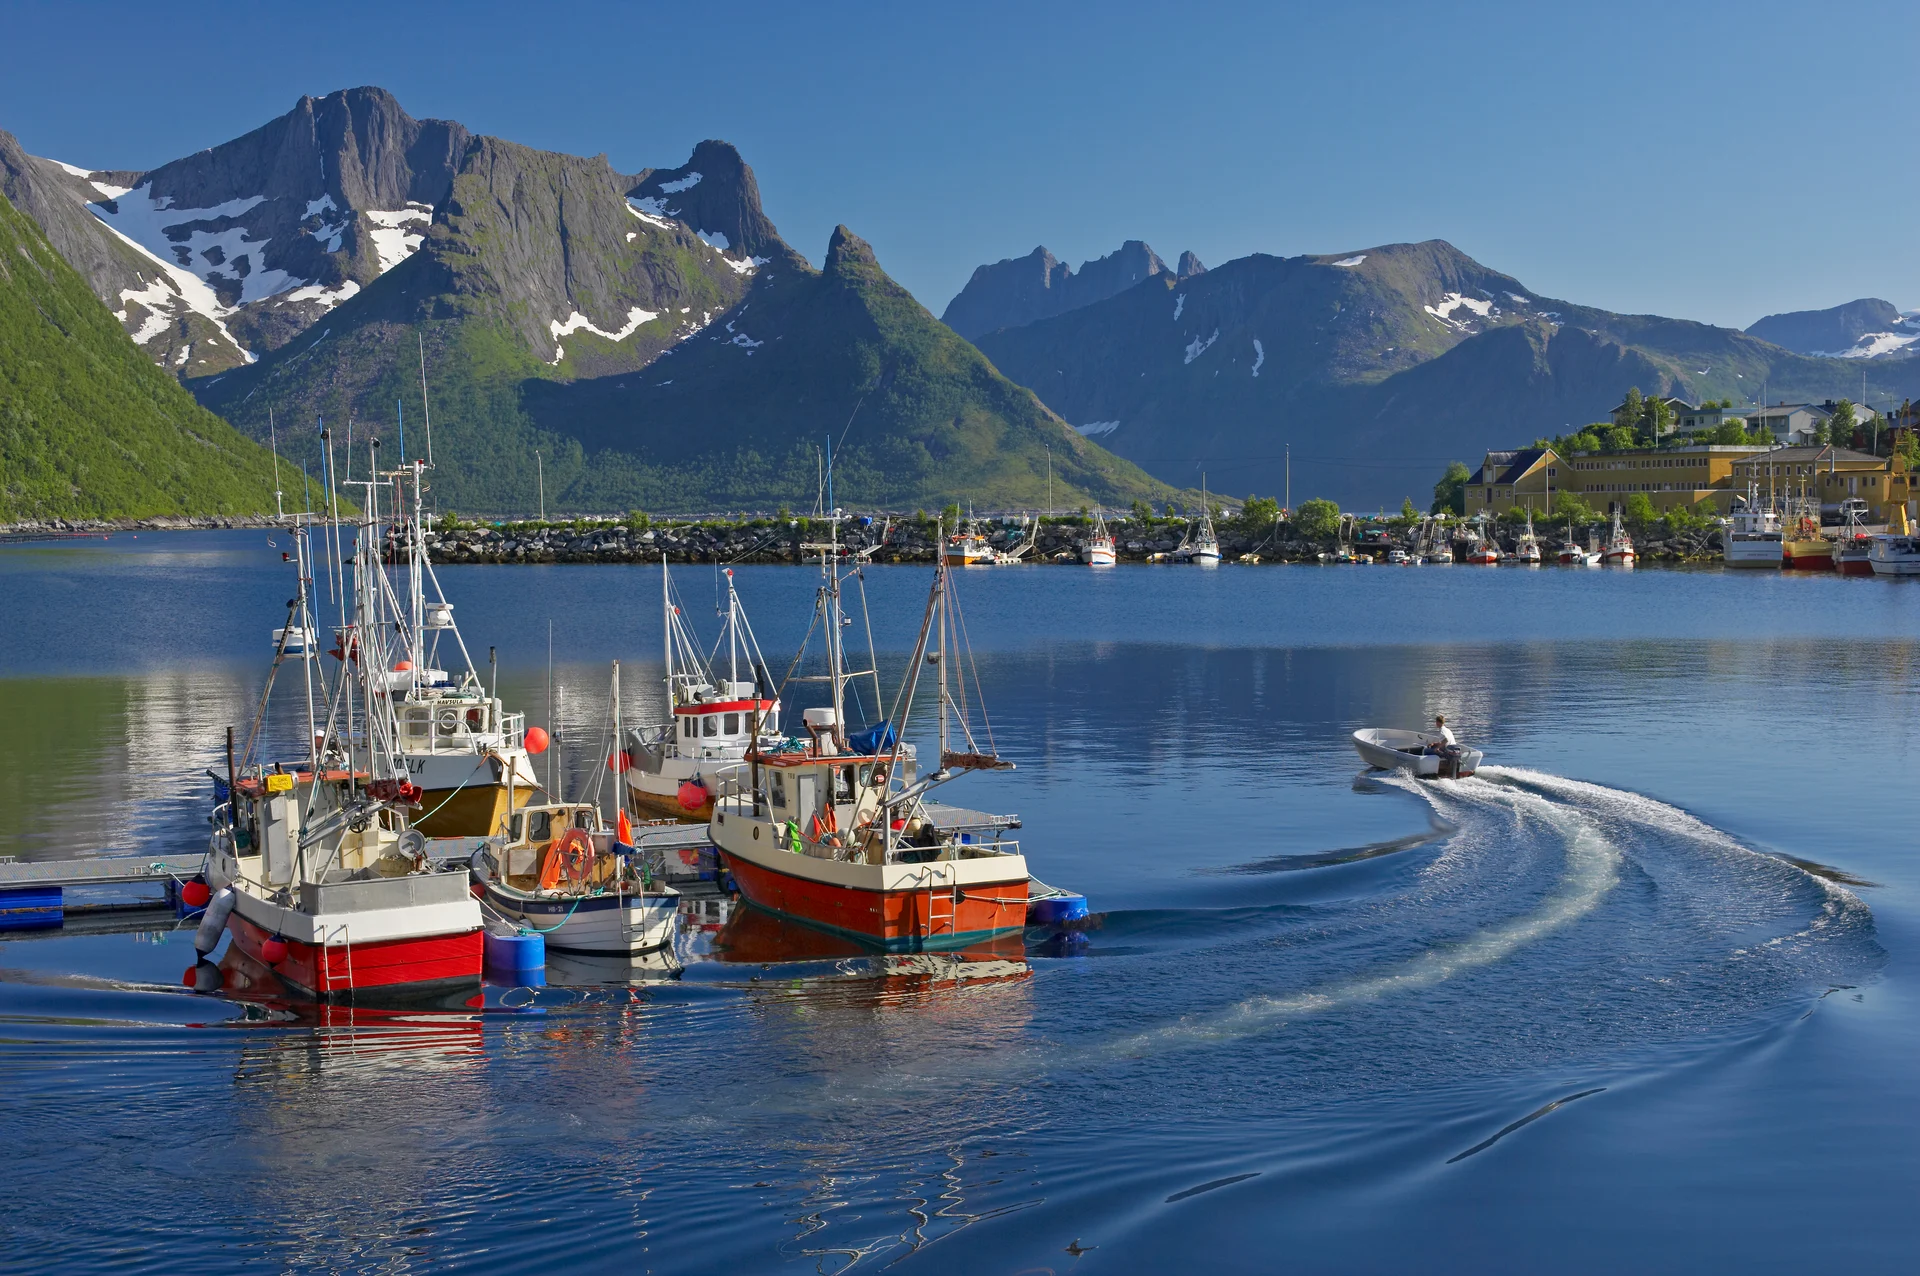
1440 739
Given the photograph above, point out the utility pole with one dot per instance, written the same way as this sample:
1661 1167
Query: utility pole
540 477
1289 501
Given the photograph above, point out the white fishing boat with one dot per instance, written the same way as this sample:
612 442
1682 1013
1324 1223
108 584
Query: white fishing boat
1526 550
1753 534
1205 549
677 768
560 872
1895 555
1098 551
1392 750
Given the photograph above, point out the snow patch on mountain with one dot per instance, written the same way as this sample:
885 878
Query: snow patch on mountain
1454 301
188 288
1197 347
1179 304
327 297
1351 262
713 239
315 207
577 322
1872 345
398 233
1259 356
76 172
157 299
651 211
1094 429
746 265
686 183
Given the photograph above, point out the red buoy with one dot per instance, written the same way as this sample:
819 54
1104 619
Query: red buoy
535 740
693 795
195 893
404 666
187 980
274 951
618 762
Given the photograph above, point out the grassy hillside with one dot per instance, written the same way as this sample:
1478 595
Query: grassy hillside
89 428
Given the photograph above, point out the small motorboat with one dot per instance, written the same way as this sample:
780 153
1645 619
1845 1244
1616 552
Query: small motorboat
1391 750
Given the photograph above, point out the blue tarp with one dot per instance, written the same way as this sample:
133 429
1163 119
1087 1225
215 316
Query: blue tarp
874 739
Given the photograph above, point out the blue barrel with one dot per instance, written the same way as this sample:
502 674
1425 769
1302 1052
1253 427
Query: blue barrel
516 952
1056 910
32 908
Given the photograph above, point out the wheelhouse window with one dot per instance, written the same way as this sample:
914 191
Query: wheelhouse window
733 724
710 724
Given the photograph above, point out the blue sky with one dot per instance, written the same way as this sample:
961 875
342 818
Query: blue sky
1711 161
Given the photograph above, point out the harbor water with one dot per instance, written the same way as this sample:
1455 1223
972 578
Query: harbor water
1644 994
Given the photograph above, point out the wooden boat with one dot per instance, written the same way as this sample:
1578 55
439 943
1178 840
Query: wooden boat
1392 750
676 768
834 831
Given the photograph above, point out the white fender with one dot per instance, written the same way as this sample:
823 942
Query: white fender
214 923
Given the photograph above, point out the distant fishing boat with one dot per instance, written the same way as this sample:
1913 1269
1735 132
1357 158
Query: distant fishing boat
1098 550
1753 535
1619 551
967 547
678 767
1204 548
834 830
1527 549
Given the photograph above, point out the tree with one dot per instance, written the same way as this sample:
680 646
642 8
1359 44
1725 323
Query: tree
638 521
1568 508
1907 448
1639 509
1731 432
1408 514
1656 419
1142 512
1259 513
1841 424
1450 493
1318 519
950 516
1621 438
1631 410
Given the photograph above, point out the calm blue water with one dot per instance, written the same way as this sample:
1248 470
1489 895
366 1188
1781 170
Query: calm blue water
1642 996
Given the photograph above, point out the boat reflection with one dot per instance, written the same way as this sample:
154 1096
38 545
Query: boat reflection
751 937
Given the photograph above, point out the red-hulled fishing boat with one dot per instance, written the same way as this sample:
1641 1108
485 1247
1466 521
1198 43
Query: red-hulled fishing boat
313 866
834 830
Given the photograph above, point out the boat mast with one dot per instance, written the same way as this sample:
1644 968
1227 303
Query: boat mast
666 623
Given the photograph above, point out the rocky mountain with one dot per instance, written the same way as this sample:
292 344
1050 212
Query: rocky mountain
1374 367
89 427
649 335
1021 290
1865 329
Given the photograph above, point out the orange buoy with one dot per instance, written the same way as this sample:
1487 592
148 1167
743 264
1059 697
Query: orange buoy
403 666
535 740
618 762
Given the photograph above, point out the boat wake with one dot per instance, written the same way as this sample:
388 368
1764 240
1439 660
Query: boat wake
1578 914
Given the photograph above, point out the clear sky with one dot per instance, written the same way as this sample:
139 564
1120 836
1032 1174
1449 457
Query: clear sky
1706 160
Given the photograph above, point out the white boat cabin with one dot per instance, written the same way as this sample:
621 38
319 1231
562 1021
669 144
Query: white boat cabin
719 721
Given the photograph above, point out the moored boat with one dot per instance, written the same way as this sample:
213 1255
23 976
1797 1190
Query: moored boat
1526 550
1619 551
1804 549
560 872
1895 555
1753 535
834 830
1098 551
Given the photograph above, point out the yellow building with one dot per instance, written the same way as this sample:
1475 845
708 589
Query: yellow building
1670 477
1831 475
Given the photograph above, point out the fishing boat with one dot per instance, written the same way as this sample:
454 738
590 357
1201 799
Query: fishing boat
1804 548
1895 555
1619 551
1854 553
315 870
1484 553
1097 550
1204 550
834 830
1392 750
1400 558
1526 550
968 547
559 871
1753 534
676 768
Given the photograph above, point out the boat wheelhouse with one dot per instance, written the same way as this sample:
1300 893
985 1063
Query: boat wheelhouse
676 768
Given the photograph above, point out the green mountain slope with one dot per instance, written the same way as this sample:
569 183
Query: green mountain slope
89 428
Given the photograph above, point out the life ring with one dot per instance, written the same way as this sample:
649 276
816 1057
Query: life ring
881 775
448 721
570 854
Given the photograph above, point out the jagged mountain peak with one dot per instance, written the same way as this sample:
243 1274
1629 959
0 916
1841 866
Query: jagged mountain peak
714 192
1189 266
1021 290
846 251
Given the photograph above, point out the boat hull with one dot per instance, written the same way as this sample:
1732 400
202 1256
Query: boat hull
414 966
1753 554
1098 556
473 811
948 915
597 925
1808 556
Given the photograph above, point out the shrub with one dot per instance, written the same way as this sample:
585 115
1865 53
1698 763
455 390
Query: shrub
1317 519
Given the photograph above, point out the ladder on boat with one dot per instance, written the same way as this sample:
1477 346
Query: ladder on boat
943 904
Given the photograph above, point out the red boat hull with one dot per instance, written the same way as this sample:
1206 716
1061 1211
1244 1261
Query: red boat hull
429 963
899 921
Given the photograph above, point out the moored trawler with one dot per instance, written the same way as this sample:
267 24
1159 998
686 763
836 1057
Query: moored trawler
314 867
676 768
1753 535
1098 550
1804 549
1619 551
834 831
1895 555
